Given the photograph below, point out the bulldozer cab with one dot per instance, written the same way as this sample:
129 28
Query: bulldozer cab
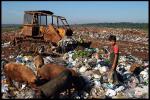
36 24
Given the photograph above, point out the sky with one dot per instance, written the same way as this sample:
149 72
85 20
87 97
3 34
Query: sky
79 12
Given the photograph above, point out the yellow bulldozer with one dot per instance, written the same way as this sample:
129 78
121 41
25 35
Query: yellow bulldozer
42 25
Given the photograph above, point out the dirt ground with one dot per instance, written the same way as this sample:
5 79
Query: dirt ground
139 50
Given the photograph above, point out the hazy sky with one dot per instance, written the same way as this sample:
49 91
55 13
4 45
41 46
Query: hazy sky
77 12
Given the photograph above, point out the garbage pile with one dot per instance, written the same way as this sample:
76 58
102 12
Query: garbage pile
66 44
93 65
131 35
96 70
66 41
6 44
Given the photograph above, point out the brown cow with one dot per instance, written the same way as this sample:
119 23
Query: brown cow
19 73
38 62
134 66
51 71
56 85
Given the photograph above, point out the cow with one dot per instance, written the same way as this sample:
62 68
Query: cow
19 73
134 66
38 62
51 71
53 87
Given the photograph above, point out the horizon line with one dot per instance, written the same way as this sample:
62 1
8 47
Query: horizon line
96 23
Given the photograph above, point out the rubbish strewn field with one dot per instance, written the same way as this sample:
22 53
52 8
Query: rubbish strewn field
133 44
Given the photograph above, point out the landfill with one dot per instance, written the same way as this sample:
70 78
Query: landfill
91 63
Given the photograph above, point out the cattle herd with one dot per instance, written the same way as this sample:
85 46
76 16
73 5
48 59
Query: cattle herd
50 80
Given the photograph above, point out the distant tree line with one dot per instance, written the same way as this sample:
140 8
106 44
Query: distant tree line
11 27
143 26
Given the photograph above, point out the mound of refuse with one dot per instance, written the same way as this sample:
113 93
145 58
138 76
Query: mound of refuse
93 65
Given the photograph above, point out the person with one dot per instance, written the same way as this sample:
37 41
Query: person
114 56
35 19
